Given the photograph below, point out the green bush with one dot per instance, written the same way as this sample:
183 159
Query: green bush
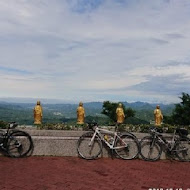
58 126
3 124
142 128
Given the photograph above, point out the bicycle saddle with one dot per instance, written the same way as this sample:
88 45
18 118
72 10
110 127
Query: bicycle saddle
13 124
155 129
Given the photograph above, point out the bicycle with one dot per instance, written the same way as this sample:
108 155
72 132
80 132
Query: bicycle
151 147
90 144
15 143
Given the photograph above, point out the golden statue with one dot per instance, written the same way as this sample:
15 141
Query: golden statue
80 114
158 116
120 114
38 113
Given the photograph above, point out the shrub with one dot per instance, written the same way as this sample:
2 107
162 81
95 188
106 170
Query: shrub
142 128
3 124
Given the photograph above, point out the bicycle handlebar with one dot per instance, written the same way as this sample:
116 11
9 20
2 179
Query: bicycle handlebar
155 130
180 131
92 125
13 124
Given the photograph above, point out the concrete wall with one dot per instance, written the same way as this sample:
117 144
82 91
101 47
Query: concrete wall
56 143
63 143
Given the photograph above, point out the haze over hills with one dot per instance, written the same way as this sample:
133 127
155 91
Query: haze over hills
62 101
21 111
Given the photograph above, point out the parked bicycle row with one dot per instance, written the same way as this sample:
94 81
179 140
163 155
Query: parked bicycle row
125 145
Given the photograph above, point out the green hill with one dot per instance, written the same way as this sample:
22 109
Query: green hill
59 113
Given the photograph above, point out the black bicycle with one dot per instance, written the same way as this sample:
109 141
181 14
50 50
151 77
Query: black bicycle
153 145
15 143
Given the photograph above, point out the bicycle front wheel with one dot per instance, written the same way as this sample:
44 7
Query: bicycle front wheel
19 144
183 149
151 150
87 148
127 147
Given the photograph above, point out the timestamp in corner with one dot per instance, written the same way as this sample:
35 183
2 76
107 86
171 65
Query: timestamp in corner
169 189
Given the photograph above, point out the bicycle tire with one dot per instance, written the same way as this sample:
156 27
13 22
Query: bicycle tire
183 149
149 151
129 152
3 143
19 144
89 152
1 136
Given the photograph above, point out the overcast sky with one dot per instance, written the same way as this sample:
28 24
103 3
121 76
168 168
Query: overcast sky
95 50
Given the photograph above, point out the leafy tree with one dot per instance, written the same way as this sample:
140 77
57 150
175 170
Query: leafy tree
181 113
109 109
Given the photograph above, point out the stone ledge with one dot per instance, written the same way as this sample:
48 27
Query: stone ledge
64 143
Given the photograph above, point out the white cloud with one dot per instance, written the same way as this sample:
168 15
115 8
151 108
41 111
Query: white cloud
68 49
162 71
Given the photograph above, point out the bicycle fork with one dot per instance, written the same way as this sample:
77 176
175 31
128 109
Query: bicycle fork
152 143
92 140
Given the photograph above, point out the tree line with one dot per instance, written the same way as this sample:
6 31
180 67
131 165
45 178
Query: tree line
179 116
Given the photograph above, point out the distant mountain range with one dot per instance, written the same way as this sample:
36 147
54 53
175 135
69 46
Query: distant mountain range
60 101
22 112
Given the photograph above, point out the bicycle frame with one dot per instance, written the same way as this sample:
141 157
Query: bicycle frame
100 132
164 142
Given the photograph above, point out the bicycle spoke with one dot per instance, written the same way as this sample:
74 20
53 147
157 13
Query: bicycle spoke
126 147
183 149
149 150
88 149
19 144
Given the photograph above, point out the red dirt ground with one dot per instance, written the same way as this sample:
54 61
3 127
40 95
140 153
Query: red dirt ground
69 173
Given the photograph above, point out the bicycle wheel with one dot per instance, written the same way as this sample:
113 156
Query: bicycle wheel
127 146
183 149
1 136
150 150
87 149
19 144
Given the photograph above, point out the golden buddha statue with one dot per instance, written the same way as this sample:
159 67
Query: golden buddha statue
38 113
80 114
120 114
158 116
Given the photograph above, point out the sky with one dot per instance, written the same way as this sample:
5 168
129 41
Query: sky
95 50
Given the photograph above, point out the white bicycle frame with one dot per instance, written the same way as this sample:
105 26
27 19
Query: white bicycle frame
99 131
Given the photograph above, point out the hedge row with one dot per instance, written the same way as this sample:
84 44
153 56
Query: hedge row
143 128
